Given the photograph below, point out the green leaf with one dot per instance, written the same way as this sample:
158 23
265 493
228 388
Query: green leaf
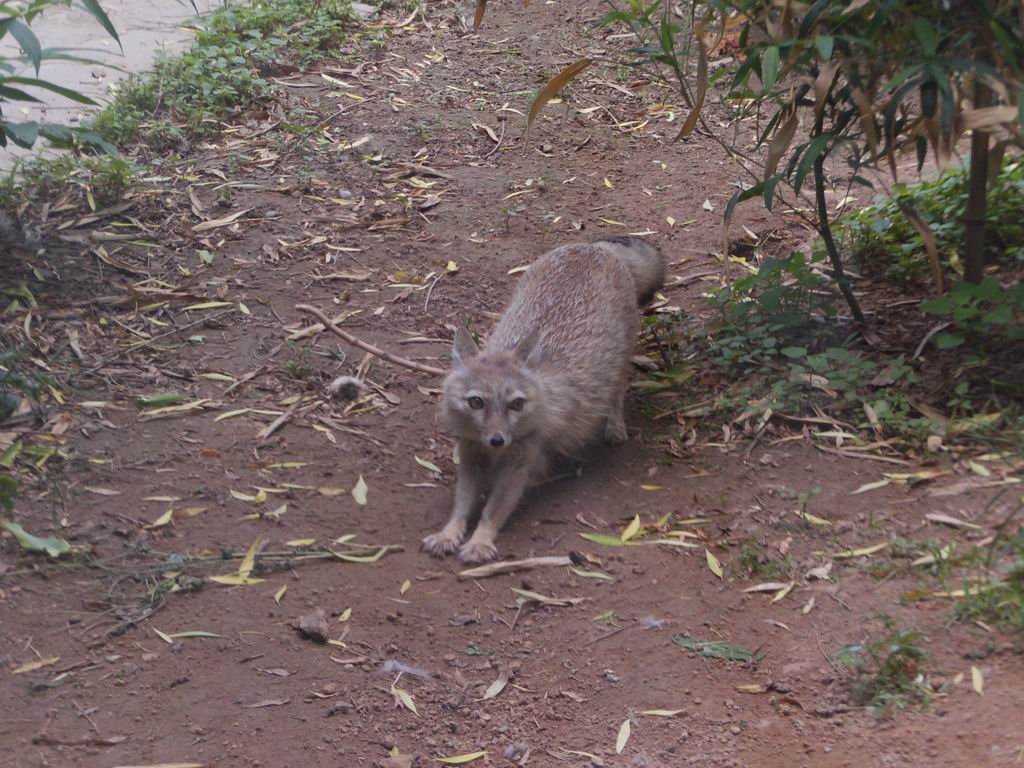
54 546
716 649
97 12
816 147
67 93
608 541
161 400
22 134
824 44
999 315
28 41
794 353
948 340
925 35
769 66
941 305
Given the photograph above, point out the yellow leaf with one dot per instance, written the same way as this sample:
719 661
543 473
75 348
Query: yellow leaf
977 680
337 643
783 592
405 698
231 414
861 552
631 530
649 487
713 564
345 615
214 376
300 542
608 183
612 222
462 759
101 491
623 737
326 490
428 465
280 593
249 560
234 580
751 688
209 305
165 637
164 519
812 519
359 492
662 712
362 558
405 587
31 666
243 309
671 221
870 486
452 267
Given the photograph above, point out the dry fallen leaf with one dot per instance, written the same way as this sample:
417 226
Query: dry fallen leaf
713 564
31 666
359 492
497 686
280 593
462 759
977 680
403 698
623 737
631 530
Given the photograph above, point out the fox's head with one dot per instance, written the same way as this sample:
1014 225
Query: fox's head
493 397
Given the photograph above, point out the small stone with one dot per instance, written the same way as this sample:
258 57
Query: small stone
735 730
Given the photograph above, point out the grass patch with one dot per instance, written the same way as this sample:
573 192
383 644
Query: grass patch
225 71
102 180
887 671
754 561
1000 601
881 239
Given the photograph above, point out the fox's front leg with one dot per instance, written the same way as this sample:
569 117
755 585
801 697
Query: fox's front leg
510 482
468 487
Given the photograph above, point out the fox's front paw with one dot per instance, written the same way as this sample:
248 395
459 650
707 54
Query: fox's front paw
615 432
442 543
478 551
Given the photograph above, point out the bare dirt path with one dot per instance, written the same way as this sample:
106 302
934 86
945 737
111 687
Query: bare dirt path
406 218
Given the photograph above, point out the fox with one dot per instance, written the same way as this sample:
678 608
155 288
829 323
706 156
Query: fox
552 376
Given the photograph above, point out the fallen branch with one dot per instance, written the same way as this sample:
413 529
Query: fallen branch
509 566
330 326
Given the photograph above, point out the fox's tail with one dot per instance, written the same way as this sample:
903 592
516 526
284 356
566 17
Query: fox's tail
643 260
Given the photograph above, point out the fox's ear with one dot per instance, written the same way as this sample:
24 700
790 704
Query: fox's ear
464 348
530 350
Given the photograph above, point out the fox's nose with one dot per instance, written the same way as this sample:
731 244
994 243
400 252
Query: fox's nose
497 441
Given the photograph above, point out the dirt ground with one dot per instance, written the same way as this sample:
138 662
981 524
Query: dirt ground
325 222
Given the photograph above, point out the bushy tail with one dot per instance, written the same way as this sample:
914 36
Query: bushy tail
643 260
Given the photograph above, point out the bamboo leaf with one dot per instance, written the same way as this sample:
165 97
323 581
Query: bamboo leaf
702 89
548 92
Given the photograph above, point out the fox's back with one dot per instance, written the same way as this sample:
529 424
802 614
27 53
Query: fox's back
582 300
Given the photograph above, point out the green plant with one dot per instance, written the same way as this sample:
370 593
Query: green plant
755 562
887 671
102 180
869 78
999 599
16 18
882 240
980 313
227 69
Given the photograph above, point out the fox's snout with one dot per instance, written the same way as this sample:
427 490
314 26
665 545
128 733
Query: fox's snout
498 439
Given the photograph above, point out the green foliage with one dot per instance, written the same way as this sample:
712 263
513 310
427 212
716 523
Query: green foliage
883 241
887 670
103 179
16 19
981 313
999 600
754 561
227 68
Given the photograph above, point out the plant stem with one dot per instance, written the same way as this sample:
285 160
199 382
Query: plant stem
977 192
825 230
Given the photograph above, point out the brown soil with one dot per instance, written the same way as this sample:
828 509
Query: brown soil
259 693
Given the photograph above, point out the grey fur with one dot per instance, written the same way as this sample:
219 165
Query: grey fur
553 375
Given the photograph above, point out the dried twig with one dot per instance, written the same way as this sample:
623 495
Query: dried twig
509 566
330 326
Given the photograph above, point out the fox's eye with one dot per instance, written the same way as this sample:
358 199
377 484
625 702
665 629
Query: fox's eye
517 404
475 403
